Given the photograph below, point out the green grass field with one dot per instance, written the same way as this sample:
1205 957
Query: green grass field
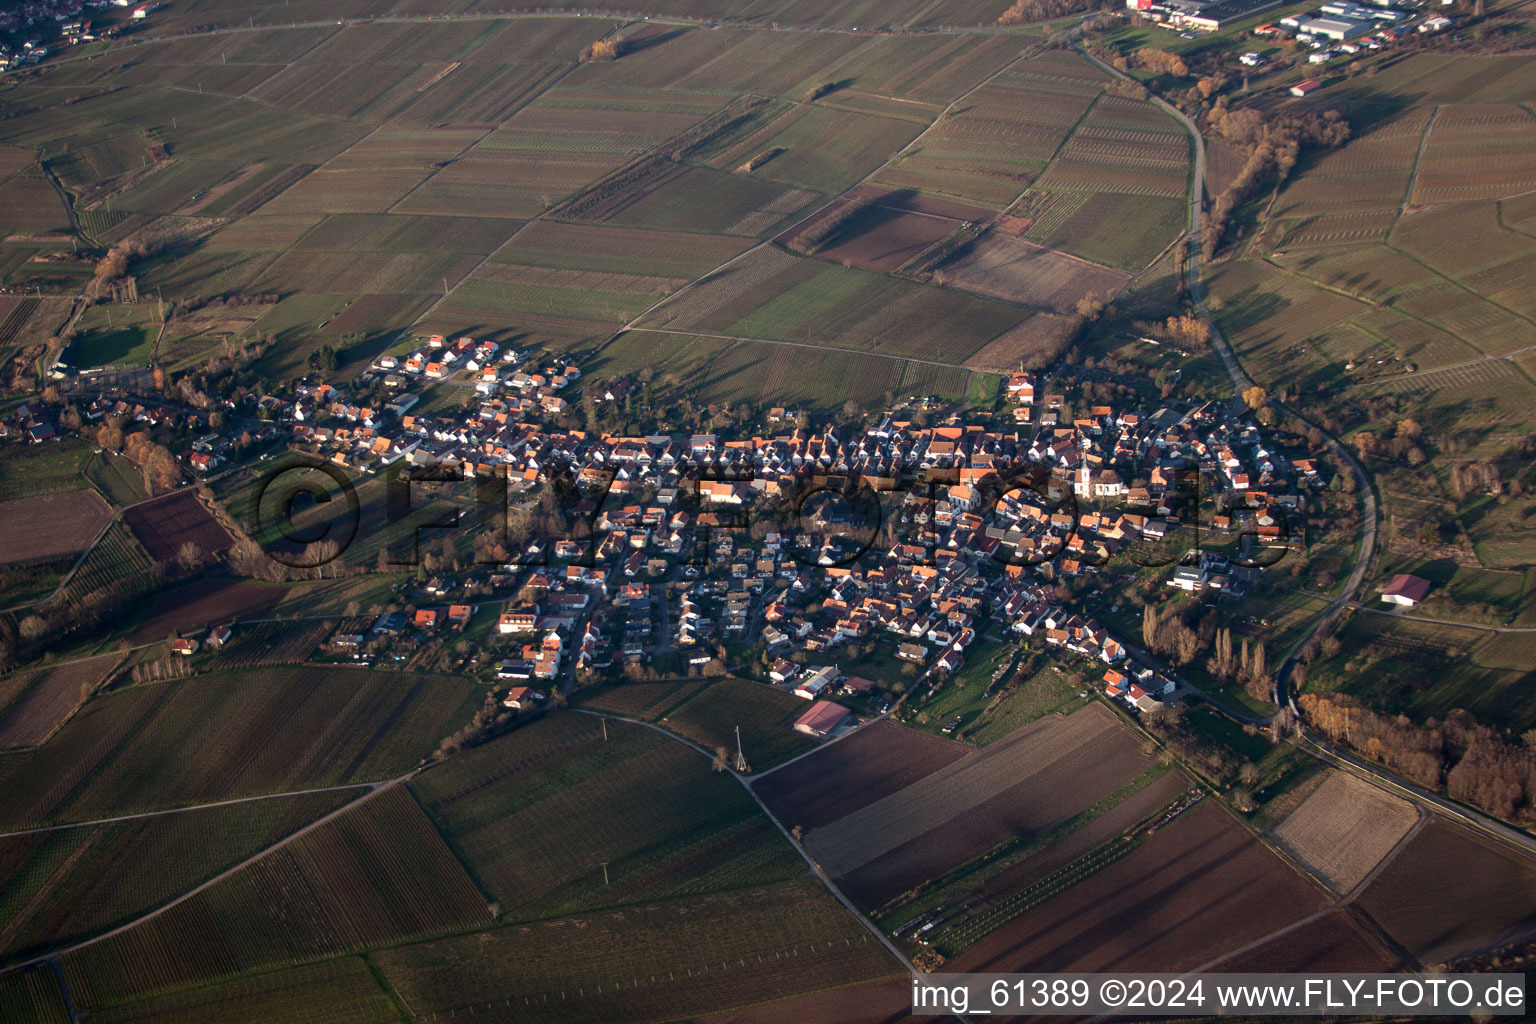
985 716
71 883
1425 670
773 296
28 470
765 715
236 734
1126 231
687 958
116 477
556 794
376 873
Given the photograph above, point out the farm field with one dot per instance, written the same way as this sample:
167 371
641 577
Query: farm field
234 734
996 146
1337 941
1031 343
1121 134
47 699
51 525
999 266
774 296
68 884
1118 229
1201 883
1026 784
578 283
882 239
1515 651
373 874
557 794
117 478
1281 324
650 963
874 762
679 197
824 148
163 526
343 991
273 643
693 368
43 469
1344 829
866 1003
206 602
765 715
983 895
1451 892
639 700
116 558
1389 662
33 995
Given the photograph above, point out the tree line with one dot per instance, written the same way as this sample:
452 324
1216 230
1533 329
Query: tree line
1473 763
1273 146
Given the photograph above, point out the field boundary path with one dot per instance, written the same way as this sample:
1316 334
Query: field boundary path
634 321
1367 549
374 789
194 807
117 513
810 861
1418 158
69 1002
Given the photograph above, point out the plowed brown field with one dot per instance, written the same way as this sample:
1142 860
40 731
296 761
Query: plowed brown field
1199 887
1027 783
841 777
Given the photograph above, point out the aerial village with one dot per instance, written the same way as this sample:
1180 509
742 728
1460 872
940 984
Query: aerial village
673 565
687 552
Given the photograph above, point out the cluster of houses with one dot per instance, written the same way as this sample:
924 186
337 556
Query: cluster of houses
1335 29
672 518
982 522
32 422
28 18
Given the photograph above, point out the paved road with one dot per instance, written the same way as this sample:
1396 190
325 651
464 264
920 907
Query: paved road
810 861
1241 381
1355 766
1368 527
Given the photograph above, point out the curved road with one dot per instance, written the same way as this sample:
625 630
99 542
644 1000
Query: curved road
373 790
1241 381
1368 519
